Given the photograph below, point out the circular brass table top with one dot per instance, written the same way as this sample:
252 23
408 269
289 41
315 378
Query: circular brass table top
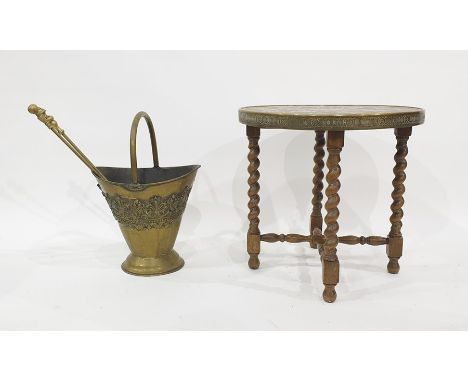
331 117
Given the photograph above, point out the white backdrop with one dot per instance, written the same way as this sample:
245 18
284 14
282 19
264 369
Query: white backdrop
61 249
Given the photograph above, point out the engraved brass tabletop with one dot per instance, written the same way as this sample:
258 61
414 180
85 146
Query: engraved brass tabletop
330 117
334 120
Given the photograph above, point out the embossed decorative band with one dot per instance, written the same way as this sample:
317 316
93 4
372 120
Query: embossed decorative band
339 117
330 123
155 212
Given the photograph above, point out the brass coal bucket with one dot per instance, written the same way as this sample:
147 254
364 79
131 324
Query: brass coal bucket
148 203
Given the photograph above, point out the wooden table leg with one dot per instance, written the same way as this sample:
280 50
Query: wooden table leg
316 219
253 234
330 263
395 239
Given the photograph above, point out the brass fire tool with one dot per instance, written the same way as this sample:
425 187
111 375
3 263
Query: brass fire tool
148 203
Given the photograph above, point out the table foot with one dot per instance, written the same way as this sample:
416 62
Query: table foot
393 266
329 293
254 262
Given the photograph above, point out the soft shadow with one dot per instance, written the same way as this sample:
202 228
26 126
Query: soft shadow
24 199
72 248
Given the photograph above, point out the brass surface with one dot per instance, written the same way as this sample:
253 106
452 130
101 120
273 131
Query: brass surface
148 203
152 266
155 212
52 124
331 117
133 136
149 216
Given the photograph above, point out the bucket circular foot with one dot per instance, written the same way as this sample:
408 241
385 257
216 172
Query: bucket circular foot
153 266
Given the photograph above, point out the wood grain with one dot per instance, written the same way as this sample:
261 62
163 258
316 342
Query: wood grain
370 240
253 235
316 219
395 245
330 263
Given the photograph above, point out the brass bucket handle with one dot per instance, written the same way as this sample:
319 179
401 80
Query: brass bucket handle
133 137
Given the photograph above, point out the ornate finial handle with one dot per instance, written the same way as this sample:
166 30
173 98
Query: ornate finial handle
52 124
47 120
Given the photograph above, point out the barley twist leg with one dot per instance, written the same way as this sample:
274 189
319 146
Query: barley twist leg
253 234
316 219
395 238
330 263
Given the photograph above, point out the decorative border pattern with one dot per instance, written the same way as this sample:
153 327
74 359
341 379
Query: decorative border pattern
155 212
298 122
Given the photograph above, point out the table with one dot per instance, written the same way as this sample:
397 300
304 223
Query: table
333 120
